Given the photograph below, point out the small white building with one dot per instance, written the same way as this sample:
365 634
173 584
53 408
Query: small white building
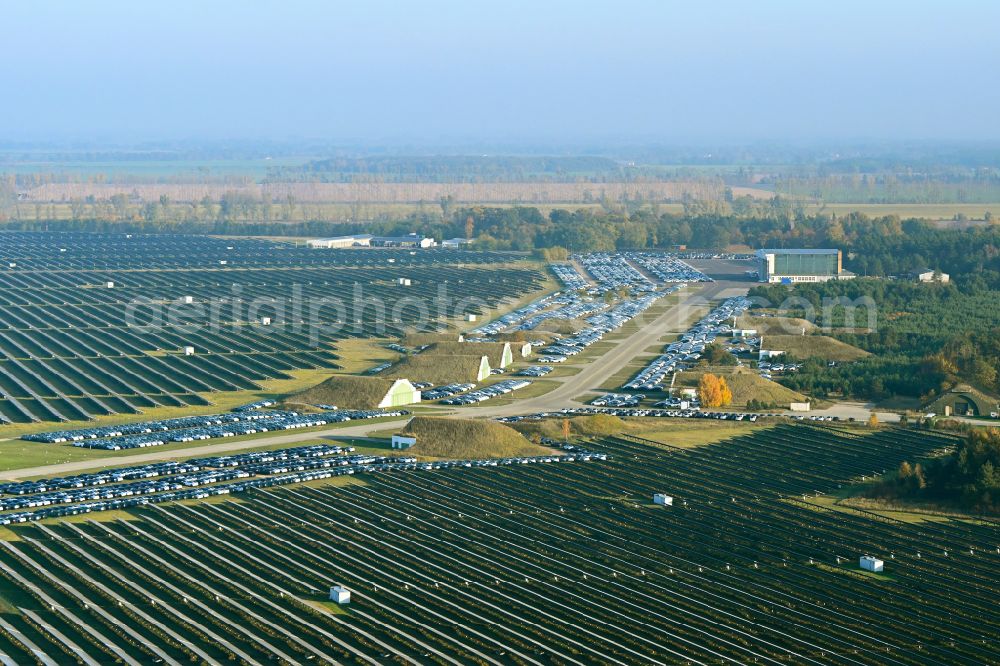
188 300
109 284
189 350
404 281
470 317
930 275
361 240
265 321
869 563
663 500
340 594
403 441
769 353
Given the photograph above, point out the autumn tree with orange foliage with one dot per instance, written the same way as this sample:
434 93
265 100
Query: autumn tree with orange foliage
713 391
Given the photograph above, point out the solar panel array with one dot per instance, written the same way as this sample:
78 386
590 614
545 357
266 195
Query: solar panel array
94 324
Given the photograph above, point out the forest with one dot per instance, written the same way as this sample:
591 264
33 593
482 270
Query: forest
969 477
927 337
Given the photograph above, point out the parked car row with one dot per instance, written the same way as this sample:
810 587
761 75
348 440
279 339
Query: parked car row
487 392
679 403
199 472
751 417
237 481
573 307
732 256
150 471
618 400
283 421
613 272
253 457
534 371
147 427
625 311
569 276
446 391
766 368
563 350
666 267
550 358
633 411
516 316
601 324
170 470
689 348
252 406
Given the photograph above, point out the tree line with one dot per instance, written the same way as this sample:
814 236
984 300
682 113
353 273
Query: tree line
873 246
968 478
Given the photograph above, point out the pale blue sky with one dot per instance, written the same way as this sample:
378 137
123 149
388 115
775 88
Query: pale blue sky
548 70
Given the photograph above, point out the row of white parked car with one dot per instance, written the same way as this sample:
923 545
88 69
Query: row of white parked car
690 347
569 276
601 324
666 267
618 400
488 392
612 271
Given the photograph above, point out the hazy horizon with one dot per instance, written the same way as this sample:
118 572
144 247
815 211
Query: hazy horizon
451 72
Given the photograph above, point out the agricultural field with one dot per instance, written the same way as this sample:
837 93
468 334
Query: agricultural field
566 563
97 324
387 193
944 212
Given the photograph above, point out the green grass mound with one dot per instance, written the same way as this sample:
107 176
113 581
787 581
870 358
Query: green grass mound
415 340
598 424
561 326
344 391
818 346
776 325
446 350
438 369
746 385
523 336
579 426
468 438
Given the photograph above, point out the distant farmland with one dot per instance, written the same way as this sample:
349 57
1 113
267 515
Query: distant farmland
352 201
495 192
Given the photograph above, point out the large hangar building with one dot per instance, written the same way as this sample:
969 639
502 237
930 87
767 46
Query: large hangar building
789 266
